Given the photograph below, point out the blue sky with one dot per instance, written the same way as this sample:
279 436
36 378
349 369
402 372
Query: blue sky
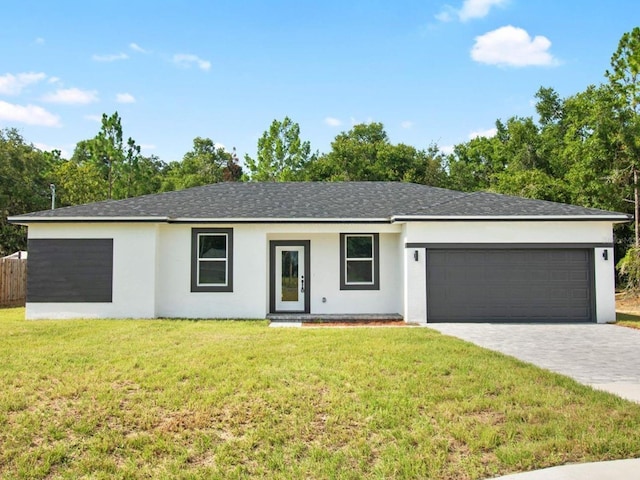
431 71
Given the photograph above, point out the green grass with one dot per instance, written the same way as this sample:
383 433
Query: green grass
628 320
212 399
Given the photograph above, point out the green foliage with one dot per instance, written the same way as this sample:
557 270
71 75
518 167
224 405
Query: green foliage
473 165
25 176
629 269
106 167
624 75
532 183
78 183
282 155
365 153
206 163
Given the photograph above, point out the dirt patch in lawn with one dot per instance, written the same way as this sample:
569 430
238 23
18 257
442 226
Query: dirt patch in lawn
628 303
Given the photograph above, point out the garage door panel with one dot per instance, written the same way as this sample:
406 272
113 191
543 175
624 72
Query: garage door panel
509 285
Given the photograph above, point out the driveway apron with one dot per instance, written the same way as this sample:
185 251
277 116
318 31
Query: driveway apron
606 357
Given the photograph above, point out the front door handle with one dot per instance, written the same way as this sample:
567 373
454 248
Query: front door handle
302 281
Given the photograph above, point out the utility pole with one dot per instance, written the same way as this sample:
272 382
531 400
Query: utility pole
53 196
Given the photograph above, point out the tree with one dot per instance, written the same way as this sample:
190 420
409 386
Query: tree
78 183
354 155
107 150
232 172
624 80
25 177
365 153
473 165
282 156
108 167
206 163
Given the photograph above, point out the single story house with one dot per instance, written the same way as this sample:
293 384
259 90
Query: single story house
248 250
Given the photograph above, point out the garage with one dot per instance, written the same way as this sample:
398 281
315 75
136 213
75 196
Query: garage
510 285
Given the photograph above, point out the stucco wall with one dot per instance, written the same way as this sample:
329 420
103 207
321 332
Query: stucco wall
152 266
501 233
250 296
134 252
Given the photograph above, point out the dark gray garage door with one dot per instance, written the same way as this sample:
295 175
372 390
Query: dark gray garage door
509 285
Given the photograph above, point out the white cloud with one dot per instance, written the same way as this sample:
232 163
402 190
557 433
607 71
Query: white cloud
447 149
93 118
125 98
488 133
54 80
137 48
477 8
406 124
513 47
112 57
447 14
332 122
29 114
186 60
469 10
47 148
71 96
39 41
147 146
13 84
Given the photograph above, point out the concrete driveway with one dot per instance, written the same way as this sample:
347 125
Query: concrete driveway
606 357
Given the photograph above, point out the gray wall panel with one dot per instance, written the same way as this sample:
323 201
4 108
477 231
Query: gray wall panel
70 270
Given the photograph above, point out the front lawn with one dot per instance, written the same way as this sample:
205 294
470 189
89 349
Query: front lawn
212 399
628 320
628 309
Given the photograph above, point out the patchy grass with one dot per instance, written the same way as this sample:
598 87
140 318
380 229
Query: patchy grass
628 320
628 309
213 399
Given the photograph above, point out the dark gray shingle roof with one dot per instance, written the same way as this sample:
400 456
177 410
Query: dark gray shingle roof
316 200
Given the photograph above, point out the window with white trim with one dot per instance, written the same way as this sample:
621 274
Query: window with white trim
212 260
359 259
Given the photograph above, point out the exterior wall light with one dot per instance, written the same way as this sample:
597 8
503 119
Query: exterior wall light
415 255
605 254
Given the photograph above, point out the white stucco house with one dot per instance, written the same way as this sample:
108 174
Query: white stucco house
251 250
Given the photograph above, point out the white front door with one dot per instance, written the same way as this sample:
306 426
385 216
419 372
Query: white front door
289 279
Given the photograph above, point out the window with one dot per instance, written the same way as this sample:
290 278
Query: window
212 260
359 258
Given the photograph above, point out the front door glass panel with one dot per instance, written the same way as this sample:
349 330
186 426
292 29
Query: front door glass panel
289 276
290 287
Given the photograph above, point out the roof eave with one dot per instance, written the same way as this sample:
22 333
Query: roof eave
26 220
512 218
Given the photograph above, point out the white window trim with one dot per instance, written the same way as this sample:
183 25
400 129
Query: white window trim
370 259
375 262
196 260
225 260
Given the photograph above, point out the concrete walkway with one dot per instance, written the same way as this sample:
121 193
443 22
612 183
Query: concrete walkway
614 470
606 357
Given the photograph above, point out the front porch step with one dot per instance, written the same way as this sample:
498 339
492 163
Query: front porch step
316 318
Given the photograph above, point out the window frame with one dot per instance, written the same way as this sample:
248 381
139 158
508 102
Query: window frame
196 234
375 259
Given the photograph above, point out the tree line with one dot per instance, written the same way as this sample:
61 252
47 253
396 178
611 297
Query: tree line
582 149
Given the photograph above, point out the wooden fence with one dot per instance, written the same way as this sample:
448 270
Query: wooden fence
13 282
